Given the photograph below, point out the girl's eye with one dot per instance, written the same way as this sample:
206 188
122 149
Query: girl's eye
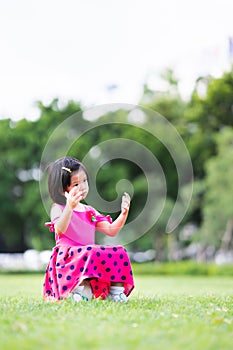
76 185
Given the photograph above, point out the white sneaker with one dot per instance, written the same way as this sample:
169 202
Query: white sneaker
77 297
122 298
83 292
116 293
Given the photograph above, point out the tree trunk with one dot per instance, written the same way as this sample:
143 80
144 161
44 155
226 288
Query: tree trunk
227 236
160 246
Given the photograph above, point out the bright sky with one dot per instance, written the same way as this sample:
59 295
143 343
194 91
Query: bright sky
78 48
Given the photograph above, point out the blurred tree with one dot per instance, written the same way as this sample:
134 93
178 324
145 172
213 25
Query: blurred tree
22 214
217 227
198 121
171 106
208 111
11 234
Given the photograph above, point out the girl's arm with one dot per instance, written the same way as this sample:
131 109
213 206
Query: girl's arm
115 227
63 217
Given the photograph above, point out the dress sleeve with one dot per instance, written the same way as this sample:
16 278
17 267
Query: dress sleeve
95 217
54 216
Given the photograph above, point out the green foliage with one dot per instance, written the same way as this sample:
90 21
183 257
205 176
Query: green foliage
201 122
219 100
218 209
22 214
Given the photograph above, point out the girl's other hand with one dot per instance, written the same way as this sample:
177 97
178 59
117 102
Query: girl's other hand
125 203
73 197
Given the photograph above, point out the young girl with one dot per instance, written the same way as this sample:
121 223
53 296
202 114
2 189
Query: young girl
78 267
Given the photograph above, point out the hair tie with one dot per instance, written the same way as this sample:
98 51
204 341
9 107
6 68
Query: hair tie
67 169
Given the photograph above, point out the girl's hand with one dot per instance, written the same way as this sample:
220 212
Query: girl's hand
125 203
73 197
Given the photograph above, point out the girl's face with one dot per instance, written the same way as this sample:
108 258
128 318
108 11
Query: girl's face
79 180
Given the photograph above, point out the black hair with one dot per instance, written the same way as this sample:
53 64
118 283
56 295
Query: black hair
59 178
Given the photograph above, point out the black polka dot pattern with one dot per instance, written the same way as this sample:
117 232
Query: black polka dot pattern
103 264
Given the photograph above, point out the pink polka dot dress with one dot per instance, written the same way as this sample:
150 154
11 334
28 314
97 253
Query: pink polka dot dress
76 257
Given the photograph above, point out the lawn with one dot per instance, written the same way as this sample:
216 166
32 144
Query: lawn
163 313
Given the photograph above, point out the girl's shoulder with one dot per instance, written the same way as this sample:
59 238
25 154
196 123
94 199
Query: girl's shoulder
89 208
56 210
57 207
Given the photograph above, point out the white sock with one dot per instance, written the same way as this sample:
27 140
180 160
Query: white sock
78 289
116 290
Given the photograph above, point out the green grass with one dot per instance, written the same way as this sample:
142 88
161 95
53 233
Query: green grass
163 313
